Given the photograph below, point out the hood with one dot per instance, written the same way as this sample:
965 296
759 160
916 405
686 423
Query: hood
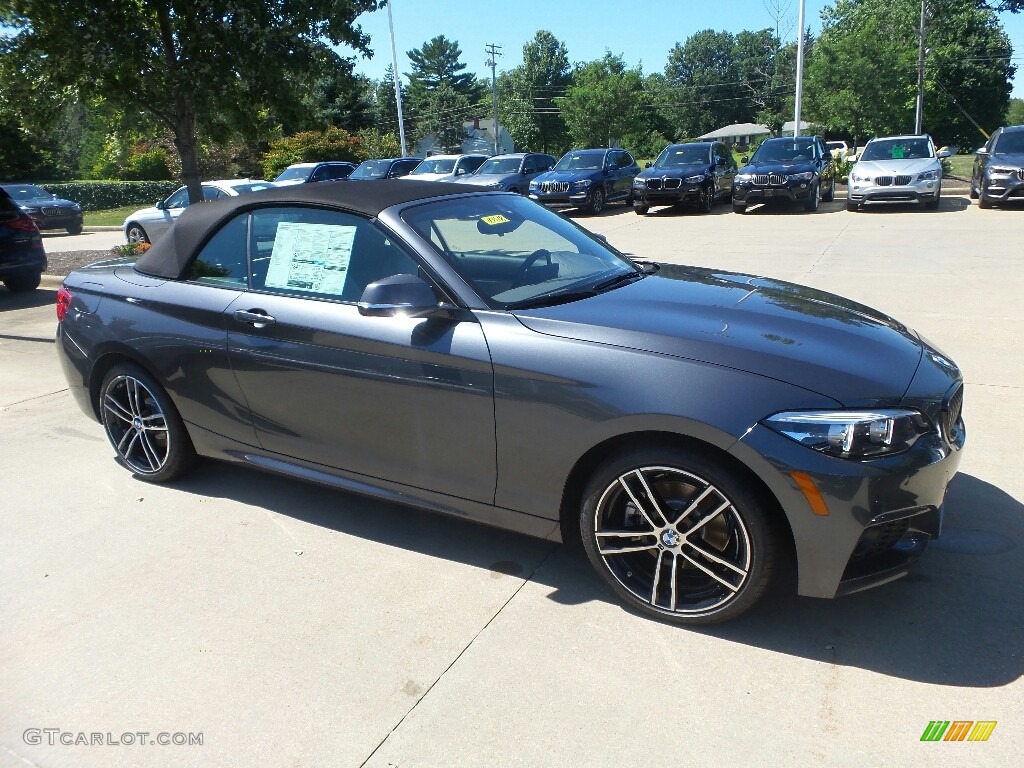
426 176
798 335
775 166
488 179
1016 159
576 175
677 171
289 182
896 167
39 202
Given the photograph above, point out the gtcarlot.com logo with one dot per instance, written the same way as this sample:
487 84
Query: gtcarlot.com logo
958 730
58 736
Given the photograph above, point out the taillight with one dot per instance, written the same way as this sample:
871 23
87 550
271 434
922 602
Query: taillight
64 298
23 224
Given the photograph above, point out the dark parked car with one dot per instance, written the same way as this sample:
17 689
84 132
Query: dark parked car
510 173
476 354
793 169
387 168
587 178
48 211
310 173
699 174
998 175
22 258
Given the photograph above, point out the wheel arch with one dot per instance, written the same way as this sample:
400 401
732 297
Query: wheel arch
106 360
583 469
129 224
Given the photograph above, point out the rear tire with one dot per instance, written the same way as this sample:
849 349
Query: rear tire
705 546
143 425
23 282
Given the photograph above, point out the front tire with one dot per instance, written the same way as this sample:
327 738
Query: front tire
23 282
136 234
983 202
143 425
641 209
739 207
812 202
75 229
678 536
707 199
596 201
831 193
974 191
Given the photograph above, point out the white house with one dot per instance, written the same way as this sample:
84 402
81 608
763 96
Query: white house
747 133
479 139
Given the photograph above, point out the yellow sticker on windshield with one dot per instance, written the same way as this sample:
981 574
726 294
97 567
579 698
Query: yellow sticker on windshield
495 219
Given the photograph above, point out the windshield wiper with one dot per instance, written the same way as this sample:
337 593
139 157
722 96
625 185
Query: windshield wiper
625 277
551 299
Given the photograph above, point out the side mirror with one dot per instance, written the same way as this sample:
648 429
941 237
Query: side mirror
461 171
398 296
981 151
647 165
944 153
744 159
160 205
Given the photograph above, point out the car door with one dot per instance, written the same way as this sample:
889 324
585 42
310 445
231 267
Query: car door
725 169
400 399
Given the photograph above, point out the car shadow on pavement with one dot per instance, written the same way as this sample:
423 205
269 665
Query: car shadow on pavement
946 203
787 208
955 620
669 211
9 300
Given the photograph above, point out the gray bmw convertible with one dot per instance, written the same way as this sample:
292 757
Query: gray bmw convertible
475 354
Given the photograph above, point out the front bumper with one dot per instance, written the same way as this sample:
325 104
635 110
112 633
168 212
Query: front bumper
666 191
70 220
869 193
1000 189
881 514
749 193
572 198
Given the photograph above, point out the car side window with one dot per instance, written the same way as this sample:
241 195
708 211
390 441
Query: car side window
320 174
321 254
212 193
222 261
178 200
625 160
529 165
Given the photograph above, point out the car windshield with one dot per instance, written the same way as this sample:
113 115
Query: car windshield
516 253
371 169
682 154
26 191
1011 143
898 149
254 186
581 161
290 174
446 165
784 151
498 165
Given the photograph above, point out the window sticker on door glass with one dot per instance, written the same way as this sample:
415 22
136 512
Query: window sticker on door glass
310 257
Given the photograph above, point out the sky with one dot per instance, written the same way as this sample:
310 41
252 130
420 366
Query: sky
643 33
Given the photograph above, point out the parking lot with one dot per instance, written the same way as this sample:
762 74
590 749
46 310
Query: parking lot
292 625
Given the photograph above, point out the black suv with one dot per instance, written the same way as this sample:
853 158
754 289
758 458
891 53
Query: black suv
699 173
998 172
22 258
310 173
796 169
387 168
587 178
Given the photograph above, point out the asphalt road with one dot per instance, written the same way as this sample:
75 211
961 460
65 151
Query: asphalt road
291 625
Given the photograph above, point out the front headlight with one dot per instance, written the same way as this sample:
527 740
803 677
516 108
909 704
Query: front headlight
744 177
1001 171
805 176
581 184
534 185
860 177
852 434
695 179
928 176
638 183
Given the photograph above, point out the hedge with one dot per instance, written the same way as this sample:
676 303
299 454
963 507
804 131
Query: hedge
101 195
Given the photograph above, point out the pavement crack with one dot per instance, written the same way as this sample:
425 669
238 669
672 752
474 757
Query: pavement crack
23 759
43 339
5 406
828 248
458 656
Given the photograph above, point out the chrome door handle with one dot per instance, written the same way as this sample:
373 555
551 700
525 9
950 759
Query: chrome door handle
255 317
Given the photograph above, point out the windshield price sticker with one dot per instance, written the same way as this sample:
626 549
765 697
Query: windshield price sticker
495 219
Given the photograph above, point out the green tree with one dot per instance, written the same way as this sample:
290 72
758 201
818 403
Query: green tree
1015 114
862 75
187 62
705 80
604 102
443 114
439 61
526 95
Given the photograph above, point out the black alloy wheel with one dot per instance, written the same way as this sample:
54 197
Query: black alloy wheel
596 201
678 536
143 425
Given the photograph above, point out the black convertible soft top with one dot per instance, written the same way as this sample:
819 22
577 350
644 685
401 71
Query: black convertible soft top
171 254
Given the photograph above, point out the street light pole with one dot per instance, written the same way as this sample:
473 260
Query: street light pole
398 87
799 70
493 52
919 112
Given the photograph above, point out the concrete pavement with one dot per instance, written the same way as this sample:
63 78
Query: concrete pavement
90 240
293 625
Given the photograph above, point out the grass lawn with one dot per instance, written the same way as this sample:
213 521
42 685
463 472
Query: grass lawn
961 165
112 217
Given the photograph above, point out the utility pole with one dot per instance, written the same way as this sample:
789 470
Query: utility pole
799 70
919 113
398 86
493 52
